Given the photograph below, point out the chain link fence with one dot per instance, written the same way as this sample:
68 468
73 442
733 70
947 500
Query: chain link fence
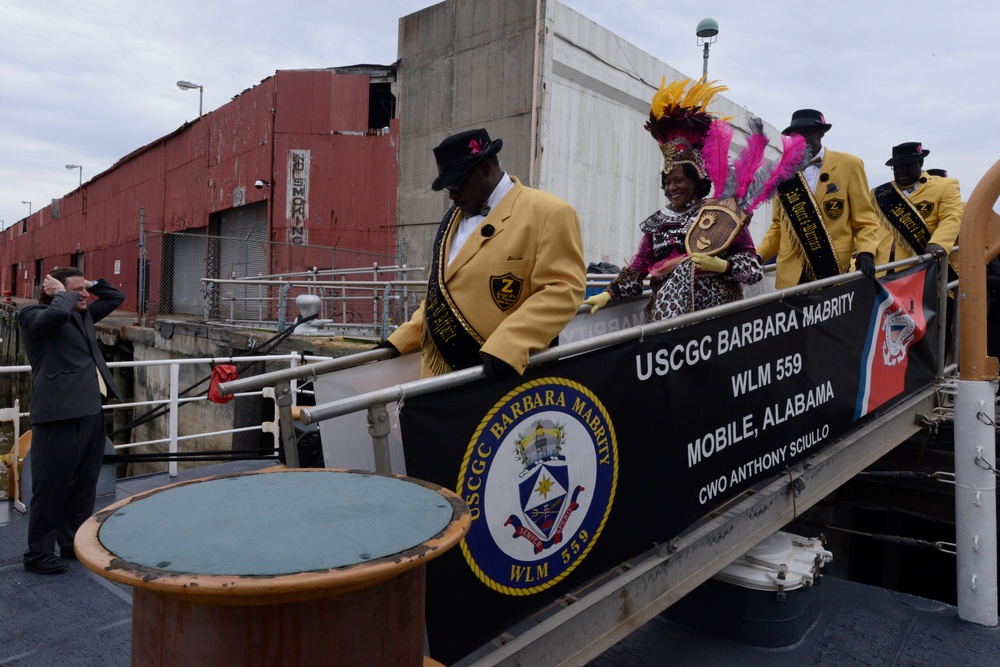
253 282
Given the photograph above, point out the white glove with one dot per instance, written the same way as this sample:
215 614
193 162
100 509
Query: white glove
709 262
597 301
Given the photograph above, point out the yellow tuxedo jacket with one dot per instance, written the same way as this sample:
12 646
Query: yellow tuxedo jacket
940 203
843 196
519 287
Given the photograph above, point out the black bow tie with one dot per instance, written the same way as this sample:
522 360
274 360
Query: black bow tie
485 210
816 160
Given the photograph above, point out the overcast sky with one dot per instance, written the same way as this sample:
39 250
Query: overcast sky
89 82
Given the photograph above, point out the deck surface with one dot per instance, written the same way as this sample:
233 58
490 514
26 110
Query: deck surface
80 619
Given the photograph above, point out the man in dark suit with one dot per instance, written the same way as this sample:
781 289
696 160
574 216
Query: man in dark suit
68 434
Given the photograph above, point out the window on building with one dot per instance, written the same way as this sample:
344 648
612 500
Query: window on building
381 105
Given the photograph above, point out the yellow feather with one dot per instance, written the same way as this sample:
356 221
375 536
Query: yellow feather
672 96
702 94
667 96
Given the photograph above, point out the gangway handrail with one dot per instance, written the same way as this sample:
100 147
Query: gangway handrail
397 392
676 567
306 372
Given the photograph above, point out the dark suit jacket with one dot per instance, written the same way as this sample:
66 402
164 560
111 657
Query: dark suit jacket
61 346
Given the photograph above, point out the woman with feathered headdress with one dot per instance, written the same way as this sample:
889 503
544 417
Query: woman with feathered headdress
698 252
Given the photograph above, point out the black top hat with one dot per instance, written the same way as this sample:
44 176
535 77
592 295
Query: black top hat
907 152
807 118
460 153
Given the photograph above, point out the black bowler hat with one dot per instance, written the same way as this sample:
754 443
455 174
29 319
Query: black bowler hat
804 118
460 153
905 153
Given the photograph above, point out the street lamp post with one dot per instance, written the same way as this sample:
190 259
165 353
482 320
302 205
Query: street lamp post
706 31
77 166
29 206
187 85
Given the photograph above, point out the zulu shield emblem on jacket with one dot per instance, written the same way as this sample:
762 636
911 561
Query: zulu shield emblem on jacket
505 290
834 208
716 227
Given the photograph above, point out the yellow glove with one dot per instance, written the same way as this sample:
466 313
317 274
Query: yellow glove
597 301
709 263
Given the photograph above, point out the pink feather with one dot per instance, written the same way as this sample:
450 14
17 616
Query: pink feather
793 148
716 153
748 162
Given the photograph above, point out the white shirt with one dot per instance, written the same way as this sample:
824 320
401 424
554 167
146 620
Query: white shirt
811 172
470 223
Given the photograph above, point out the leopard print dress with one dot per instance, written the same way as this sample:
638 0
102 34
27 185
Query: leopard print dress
684 289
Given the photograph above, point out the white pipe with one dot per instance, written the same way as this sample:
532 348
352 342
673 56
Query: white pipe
194 436
975 502
175 372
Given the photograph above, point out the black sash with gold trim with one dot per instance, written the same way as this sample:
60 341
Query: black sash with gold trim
905 218
456 342
803 212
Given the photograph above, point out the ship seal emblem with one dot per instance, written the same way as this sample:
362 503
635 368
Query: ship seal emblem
539 475
899 329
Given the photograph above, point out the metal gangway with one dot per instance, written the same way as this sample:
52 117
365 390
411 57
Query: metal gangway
583 624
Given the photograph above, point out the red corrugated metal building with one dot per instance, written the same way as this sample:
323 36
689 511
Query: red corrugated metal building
324 142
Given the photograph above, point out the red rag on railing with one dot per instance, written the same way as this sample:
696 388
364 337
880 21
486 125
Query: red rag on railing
221 373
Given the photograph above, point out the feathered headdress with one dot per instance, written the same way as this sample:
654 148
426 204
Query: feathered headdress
752 179
679 121
739 188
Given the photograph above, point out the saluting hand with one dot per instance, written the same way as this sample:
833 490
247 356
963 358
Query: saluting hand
51 286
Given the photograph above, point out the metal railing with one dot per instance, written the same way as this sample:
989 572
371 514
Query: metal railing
375 402
273 297
392 300
174 401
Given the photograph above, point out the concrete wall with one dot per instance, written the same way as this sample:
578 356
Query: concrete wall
462 65
569 99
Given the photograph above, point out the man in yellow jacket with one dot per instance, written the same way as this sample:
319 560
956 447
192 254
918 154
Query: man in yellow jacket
823 216
920 213
507 272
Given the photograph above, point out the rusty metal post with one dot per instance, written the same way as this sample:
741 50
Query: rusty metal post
980 242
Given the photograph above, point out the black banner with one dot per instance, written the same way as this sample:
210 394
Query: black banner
584 463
